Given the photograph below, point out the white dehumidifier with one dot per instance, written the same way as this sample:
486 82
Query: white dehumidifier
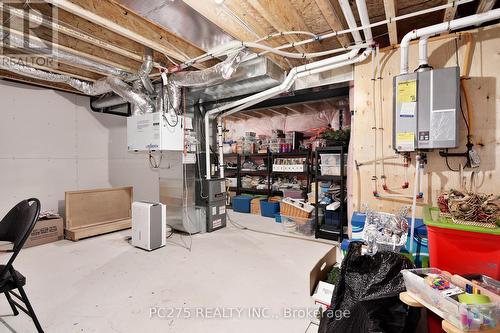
149 229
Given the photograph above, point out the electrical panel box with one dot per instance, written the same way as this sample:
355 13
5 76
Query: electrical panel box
152 131
426 110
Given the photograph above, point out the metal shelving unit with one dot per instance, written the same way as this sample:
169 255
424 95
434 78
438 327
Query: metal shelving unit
324 230
306 172
269 160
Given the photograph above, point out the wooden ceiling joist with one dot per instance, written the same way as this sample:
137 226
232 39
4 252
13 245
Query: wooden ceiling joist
74 50
293 109
119 19
390 12
332 16
450 12
63 28
230 18
485 5
283 17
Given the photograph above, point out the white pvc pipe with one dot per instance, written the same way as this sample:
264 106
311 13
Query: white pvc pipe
351 21
224 49
423 51
443 27
220 144
365 20
414 204
296 72
248 104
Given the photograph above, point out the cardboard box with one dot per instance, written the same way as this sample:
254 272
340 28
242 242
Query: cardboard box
46 231
322 268
320 291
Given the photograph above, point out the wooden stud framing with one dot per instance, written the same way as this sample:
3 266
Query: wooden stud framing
390 12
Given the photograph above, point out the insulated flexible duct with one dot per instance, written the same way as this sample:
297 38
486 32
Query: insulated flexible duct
38 47
88 88
100 87
145 70
210 76
133 96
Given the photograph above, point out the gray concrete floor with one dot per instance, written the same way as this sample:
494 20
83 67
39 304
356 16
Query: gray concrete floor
102 284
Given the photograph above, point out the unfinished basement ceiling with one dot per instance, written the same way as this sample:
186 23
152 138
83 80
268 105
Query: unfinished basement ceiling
115 32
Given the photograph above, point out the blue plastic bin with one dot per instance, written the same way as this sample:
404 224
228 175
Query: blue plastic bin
241 203
269 208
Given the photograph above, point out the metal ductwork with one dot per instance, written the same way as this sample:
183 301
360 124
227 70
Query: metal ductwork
250 77
100 87
135 97
88 88
145 70
38 47
217 74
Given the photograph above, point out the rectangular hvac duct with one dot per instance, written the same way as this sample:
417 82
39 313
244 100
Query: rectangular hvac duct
251 77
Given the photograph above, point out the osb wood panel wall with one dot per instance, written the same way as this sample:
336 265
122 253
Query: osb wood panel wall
484 93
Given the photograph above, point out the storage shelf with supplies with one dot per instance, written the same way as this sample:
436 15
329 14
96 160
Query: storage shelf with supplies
337 156
271 173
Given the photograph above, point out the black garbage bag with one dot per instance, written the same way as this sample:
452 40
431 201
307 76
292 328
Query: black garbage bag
366 298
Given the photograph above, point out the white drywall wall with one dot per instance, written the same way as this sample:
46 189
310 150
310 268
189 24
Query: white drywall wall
51 142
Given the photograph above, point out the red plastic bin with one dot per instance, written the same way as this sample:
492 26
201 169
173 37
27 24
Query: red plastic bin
462 249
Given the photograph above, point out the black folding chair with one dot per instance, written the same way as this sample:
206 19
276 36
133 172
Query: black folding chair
15 228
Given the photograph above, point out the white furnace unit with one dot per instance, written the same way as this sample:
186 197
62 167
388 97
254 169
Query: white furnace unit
155 131
149 228
426 109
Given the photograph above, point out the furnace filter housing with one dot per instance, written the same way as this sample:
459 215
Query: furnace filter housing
426 109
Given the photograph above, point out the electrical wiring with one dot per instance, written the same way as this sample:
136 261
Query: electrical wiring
186 194
464 118
227 48
171 106
153 162
448 164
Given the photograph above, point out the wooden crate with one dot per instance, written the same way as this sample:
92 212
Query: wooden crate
96 212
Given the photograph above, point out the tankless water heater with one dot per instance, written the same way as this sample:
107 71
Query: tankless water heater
426 110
